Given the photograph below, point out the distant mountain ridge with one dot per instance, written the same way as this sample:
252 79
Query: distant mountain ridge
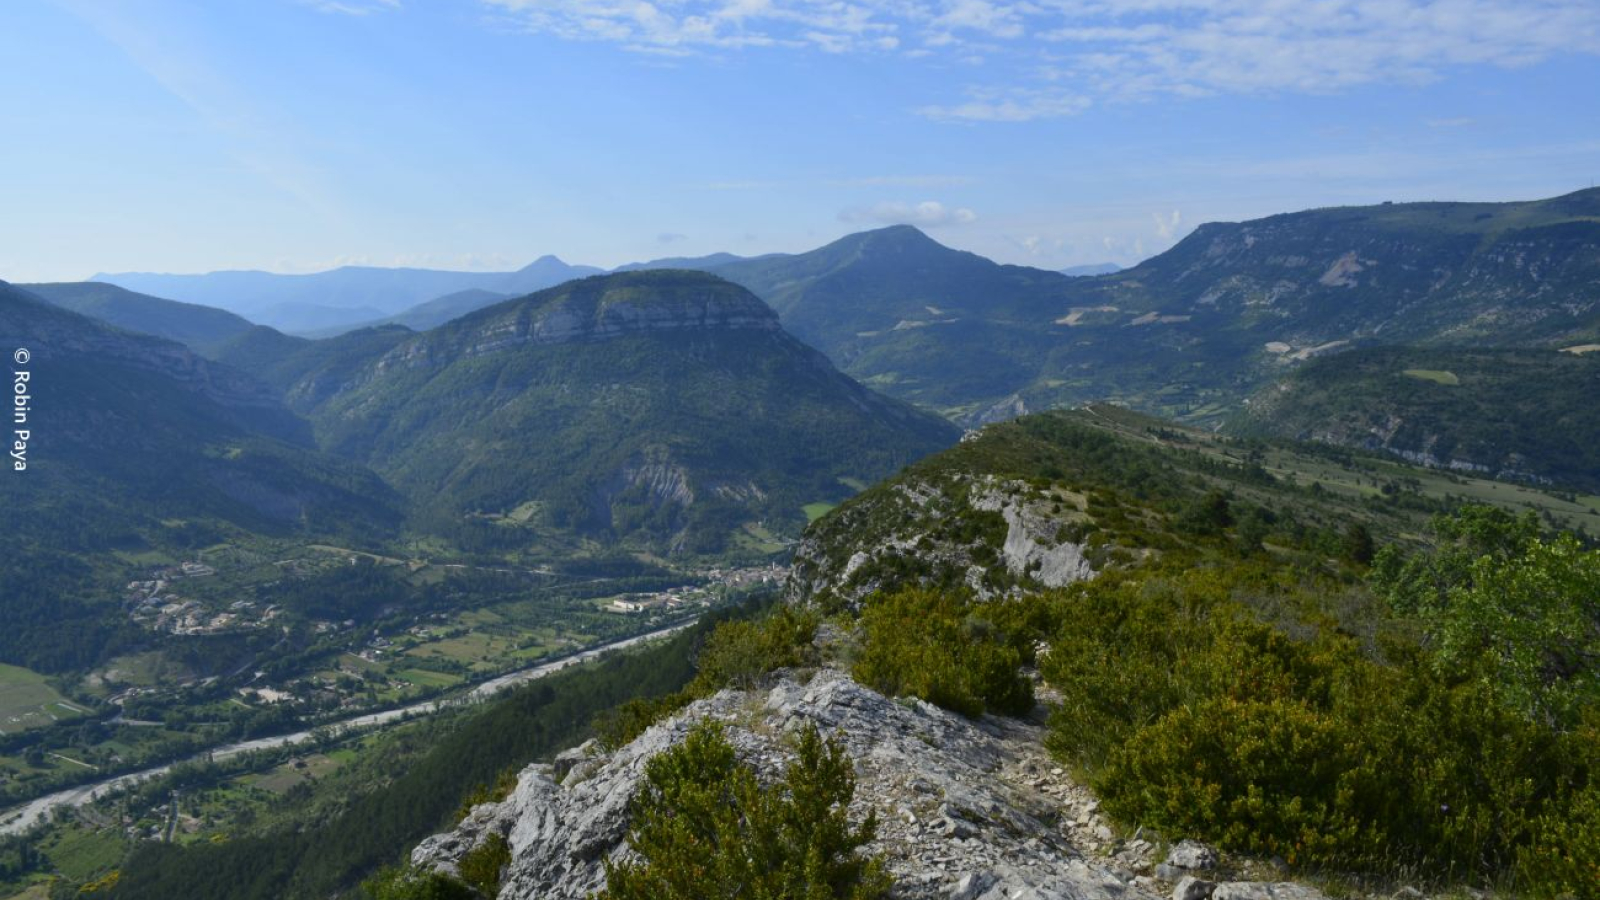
1193 331
1106 268
129 413
202 328
255 294
1187 334
439 310
701 263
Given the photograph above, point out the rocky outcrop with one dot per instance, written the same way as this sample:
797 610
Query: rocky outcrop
966 809
971 809
1031 546
898 529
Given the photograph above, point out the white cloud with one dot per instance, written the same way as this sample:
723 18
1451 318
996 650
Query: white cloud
1019 105
1167 225
352 7
1065 55
927 214
1040 247
670 237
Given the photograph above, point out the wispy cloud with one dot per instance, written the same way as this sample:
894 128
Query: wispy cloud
1021 104
1063 56
352 7
1167 225
927 214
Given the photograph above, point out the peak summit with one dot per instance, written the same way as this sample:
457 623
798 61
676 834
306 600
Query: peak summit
899 237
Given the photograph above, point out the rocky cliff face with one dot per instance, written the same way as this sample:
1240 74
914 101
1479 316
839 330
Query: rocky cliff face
967 809
594 309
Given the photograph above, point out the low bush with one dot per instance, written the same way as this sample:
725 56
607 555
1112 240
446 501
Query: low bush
737 653
1190 716
483 865
705 828
946 649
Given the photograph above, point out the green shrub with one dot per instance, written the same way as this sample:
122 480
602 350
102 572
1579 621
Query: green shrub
1264 776
740 652
618 726
1192 717
482 865
407 883
736 654
1501 603
706 829
1564 855
938 645
504 784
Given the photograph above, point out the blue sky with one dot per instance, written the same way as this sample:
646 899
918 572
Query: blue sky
297 135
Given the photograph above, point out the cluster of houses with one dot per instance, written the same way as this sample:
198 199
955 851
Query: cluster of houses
677 598
153 605
639 603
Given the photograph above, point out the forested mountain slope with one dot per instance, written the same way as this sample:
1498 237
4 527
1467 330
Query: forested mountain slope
133 443
1193 331
1517 414
201 328
667 406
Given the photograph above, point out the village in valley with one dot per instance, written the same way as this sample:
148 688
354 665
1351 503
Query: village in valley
223 646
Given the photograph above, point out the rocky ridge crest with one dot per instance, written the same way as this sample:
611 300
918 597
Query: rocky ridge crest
967 809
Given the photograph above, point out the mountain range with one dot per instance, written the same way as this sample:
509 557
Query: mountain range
1518 414
665 409
391 499
1193 331
346 295
202 328
1189 334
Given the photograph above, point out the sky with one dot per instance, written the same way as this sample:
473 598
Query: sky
300 135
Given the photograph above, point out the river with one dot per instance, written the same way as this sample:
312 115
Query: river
20 819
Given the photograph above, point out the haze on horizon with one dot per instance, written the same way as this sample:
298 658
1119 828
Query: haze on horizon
299 135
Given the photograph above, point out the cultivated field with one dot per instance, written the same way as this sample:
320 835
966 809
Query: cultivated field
26 701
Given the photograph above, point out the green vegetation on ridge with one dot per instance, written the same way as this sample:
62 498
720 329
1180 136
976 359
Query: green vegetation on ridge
1234 674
